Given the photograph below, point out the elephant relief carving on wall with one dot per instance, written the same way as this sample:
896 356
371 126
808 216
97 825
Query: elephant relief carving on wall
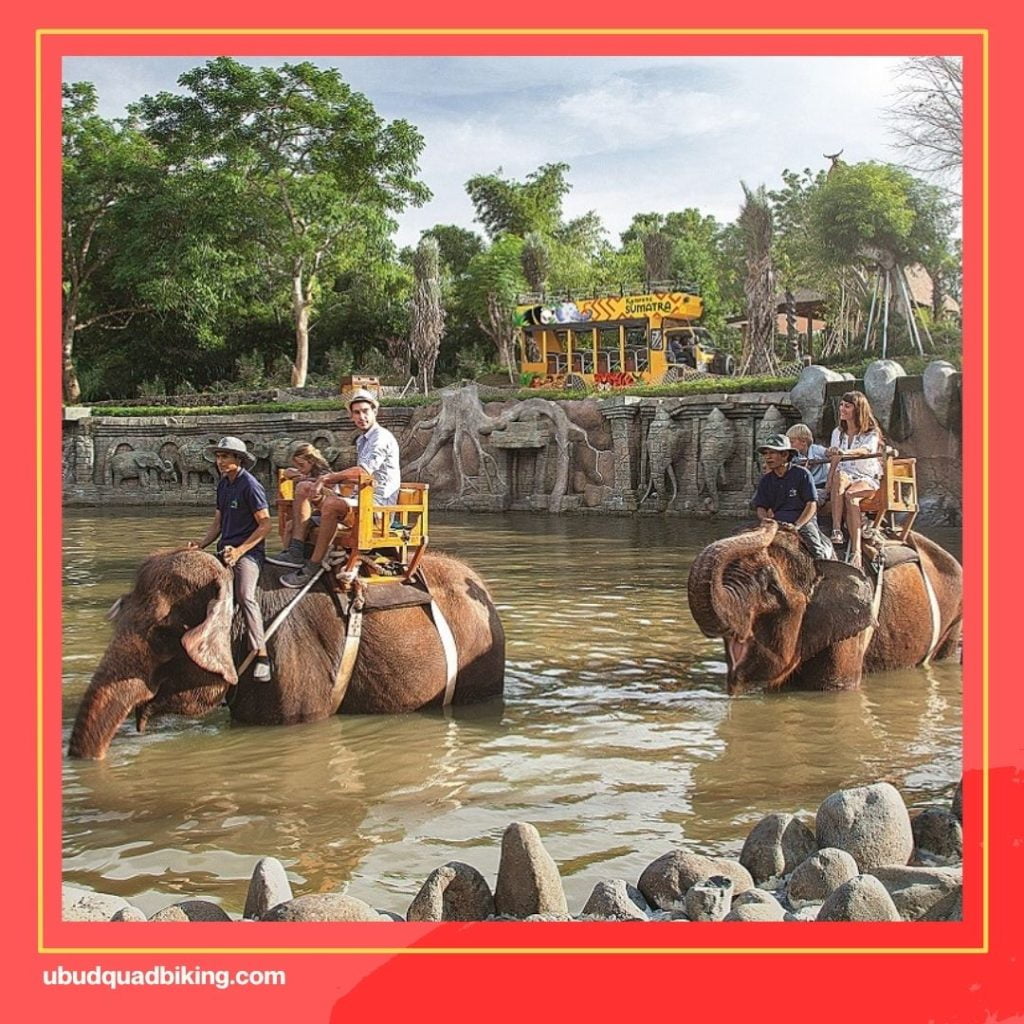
716 445
663 448
191 461
139 464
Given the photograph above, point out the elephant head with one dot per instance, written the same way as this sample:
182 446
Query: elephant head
171 648
784 617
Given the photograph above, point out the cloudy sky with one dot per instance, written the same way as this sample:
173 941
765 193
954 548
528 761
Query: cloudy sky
639 133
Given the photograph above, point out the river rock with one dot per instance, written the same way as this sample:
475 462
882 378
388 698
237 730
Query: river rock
880 386
870 822
775 846
750 897
528 879
957 806
808 394
938 834
941 384
756 912
616 900
268 886
819 876
664 882
191 910
129 914
949 908
915 890
322 906
85 905
388 915
863 898
453 892
709 900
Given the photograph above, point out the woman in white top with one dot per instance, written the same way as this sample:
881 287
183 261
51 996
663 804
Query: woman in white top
849 481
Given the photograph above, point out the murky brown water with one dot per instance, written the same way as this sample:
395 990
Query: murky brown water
614 738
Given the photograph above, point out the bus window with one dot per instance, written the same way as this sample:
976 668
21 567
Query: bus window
609 357
636 349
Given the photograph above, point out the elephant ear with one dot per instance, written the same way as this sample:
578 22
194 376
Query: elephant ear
209 643
840 607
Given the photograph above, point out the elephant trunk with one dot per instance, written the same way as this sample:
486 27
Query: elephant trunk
721 608
119 685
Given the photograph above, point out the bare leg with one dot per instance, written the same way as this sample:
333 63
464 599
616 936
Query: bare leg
332 511
302 509
838 488
855 493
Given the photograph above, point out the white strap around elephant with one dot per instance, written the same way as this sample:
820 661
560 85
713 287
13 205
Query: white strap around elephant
933 608
451 657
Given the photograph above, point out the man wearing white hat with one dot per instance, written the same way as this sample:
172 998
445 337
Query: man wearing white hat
242 521
376 454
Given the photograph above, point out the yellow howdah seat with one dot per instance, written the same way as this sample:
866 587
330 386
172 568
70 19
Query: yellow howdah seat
896 496
398 532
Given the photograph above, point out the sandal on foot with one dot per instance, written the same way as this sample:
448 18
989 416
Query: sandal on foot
837 537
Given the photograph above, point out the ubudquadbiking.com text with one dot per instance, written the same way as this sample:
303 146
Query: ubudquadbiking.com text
180 975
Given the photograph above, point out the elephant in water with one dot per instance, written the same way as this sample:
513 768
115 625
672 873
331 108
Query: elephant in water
175 647
790 620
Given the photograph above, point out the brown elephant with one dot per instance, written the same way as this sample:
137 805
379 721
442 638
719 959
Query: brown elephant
175 647
790 620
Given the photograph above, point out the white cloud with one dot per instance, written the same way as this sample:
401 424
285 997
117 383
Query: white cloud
639 133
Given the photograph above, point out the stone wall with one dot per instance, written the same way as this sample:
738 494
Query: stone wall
693 455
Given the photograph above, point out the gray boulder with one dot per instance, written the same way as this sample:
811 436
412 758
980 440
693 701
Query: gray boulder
756 912
949 908
322 906
819 876
775 845
268 886
957 806
755 896
191 910
709 900
915 890
863 898
664 882
938 835
880 386
941 383
453 892
616 900
129 914
870 822
85 905
808 394
528 879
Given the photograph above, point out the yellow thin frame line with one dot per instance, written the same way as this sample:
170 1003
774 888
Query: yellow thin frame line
983 33
985 812
39 483
652 31
523 950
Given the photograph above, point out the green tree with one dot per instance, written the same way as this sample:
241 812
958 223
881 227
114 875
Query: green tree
104 164
536 261
308 171
507 207
494 279
426 313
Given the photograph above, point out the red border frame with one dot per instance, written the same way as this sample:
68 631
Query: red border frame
974 959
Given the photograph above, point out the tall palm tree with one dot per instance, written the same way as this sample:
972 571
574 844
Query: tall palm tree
756 224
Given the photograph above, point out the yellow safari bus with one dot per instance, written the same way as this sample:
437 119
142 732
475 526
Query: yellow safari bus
613 340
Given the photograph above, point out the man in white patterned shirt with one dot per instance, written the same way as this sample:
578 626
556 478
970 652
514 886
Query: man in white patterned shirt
376 454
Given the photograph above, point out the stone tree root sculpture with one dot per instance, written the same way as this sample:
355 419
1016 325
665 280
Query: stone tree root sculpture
462 418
